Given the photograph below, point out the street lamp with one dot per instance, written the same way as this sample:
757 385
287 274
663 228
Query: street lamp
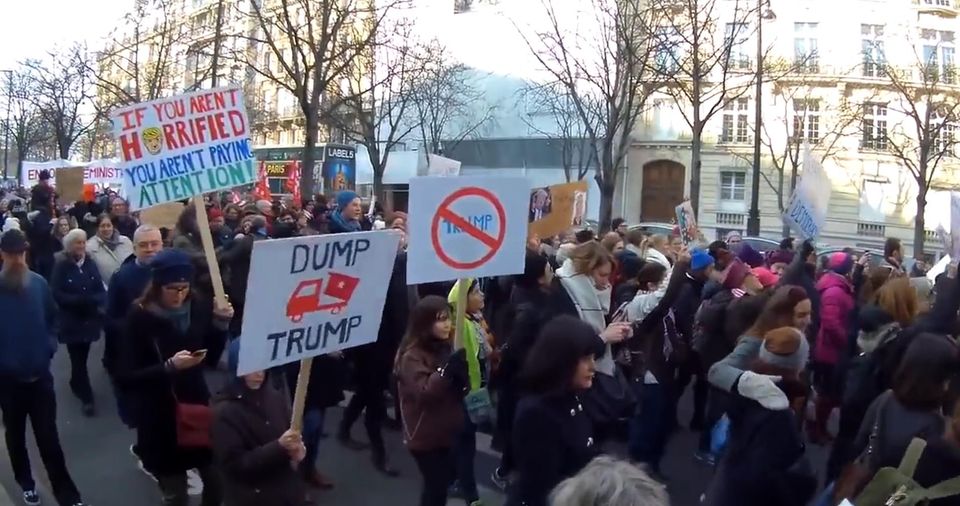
753 220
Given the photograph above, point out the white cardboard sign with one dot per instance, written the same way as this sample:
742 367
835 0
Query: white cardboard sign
807 212
469 226
308 296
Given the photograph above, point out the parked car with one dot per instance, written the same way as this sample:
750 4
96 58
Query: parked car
762 244
653 227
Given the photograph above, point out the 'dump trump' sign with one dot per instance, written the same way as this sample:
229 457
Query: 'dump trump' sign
174 148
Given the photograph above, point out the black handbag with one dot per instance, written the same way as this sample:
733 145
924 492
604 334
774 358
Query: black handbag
610 399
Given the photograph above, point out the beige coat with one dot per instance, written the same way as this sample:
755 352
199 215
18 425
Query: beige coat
108 261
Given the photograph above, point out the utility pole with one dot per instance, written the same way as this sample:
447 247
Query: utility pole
753 218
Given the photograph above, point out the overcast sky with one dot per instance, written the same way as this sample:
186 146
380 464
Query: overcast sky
32 27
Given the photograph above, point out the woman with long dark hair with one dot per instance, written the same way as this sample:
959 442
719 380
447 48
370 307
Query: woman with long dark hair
431 382
167 334
553 437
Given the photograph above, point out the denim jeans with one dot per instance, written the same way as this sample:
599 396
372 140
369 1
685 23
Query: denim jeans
312 428
464 454
650 425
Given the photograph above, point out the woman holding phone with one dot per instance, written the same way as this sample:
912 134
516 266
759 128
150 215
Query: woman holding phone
166 336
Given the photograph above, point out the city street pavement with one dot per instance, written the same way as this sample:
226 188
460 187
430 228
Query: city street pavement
98 457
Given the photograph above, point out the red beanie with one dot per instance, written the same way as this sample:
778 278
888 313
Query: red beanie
214 213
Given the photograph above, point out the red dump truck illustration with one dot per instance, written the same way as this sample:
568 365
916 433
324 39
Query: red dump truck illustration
308 296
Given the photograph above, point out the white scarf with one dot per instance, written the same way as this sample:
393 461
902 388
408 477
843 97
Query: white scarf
592 306
655 256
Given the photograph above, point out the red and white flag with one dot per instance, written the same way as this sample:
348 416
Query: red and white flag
293 183
262 189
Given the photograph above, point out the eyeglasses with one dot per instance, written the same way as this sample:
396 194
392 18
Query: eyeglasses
179 289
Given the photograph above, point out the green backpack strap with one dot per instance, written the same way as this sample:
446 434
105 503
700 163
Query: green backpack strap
908 465
946 488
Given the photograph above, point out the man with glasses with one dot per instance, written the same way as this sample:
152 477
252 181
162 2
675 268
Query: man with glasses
127 285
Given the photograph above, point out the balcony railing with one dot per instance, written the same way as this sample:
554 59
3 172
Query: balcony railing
729 219
871 229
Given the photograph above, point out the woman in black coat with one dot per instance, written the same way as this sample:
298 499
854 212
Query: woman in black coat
254 448
552 436
165 340
81 297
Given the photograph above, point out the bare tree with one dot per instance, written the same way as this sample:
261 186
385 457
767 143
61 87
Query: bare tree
141 63
374 111
705 63
565 128
62 91
30 134
605 69
916 123
802 120
448 103
307 48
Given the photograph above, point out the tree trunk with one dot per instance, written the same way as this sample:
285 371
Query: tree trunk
607 181
696 143
379 166
307 159
919 229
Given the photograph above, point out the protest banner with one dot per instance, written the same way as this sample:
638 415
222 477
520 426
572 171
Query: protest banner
807 212
464 227
186 145
687 223
69 183
164 215
551 209
312 295
103 173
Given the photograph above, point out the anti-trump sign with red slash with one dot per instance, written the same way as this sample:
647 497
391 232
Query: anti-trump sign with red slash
466 227
307 296
174 148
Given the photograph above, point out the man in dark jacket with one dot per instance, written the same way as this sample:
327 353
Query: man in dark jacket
26 385
127 285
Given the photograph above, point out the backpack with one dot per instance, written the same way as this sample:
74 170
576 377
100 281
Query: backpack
709 320
864 379
896 486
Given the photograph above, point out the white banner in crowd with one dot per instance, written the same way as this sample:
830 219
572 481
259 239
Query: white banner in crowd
103 173
807 211
308 296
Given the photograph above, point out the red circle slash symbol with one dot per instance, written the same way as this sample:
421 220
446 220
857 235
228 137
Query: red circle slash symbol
445 213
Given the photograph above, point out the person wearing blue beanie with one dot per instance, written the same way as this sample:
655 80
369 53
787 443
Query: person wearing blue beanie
346 217
700 260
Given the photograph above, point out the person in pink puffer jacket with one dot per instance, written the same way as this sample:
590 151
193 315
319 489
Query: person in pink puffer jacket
836 304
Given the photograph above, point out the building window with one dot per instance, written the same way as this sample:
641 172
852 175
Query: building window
735 42
939 3
735 126
945 140
806 57
733 185
874 59
461 6
806 120
938 55
667 54
874 127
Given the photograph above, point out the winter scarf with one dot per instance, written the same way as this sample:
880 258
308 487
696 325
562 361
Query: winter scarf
592 306
341 223
180 317
112 242
468 335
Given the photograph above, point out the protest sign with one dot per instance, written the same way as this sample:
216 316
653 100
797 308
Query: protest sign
164 215
69 183
807 212
687 223
307 296
103 173
552 208
179 147
466 227
955 224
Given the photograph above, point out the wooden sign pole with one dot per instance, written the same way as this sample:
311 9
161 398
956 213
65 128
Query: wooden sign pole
460 317
300 396
206 238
